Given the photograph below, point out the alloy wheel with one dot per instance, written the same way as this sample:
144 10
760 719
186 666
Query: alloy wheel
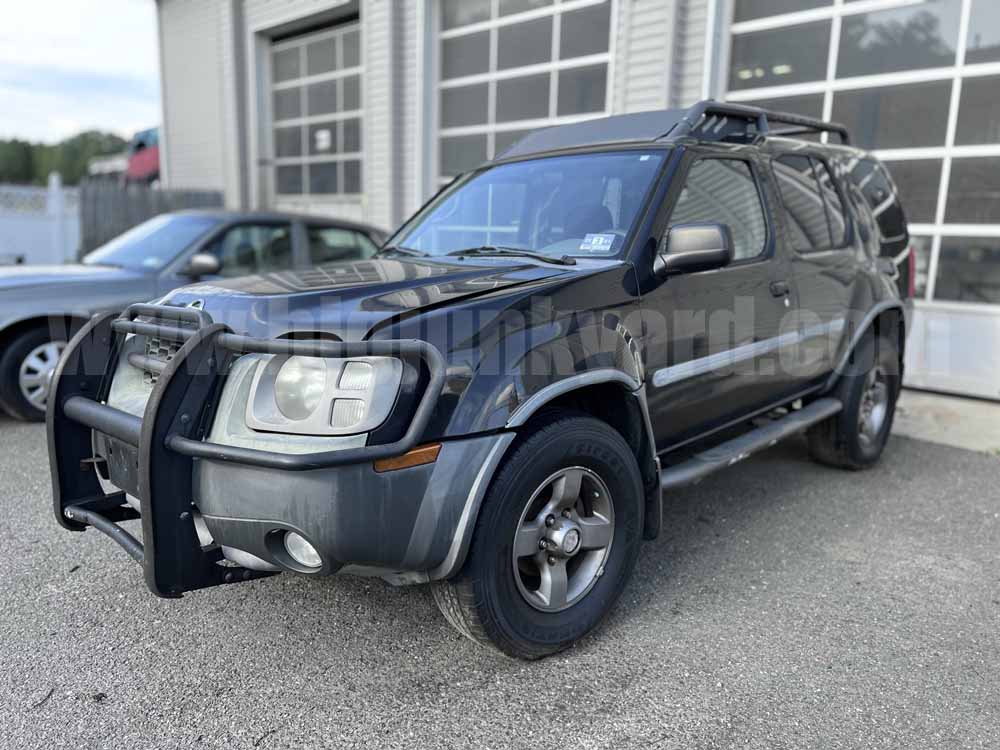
563 539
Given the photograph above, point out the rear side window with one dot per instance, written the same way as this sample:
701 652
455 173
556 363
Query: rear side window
724 191
882 198
813 204
332 244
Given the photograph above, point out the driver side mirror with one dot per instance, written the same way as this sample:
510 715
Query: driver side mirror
689 248
202 264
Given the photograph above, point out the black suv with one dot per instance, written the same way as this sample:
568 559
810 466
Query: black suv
495 402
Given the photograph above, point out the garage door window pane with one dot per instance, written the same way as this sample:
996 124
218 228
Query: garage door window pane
289 180
465 55
508 7
350 90
895 116
507 138
285 65
974 192
984 32
807 106
467 105
908 38
352 177
979 112
321 56
461 153
918 183
350 136
322 97
780 56
288 141
525 43
747 10
323 139
287 103
350 48
523 98
463 12
585 31
969 270
323 178
582 90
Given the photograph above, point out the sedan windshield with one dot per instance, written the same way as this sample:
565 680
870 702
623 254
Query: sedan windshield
153 244
580 205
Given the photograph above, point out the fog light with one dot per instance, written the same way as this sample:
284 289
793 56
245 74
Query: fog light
301 551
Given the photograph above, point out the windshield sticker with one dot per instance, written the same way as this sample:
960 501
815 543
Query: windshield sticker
597 243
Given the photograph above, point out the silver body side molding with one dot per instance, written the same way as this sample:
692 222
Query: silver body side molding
695 367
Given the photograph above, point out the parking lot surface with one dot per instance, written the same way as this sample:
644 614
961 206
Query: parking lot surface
785 605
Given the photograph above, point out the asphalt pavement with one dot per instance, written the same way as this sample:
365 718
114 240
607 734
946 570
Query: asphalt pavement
786 605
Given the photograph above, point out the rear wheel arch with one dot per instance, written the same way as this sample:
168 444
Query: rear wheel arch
885 319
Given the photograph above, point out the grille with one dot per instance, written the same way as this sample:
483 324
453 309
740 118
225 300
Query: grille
161 350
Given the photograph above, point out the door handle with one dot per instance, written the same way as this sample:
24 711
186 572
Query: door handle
779 289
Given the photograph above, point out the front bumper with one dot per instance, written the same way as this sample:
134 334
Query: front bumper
412 521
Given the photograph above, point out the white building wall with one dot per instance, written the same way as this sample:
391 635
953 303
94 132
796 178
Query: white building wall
192 90
216 91
688 75
643 48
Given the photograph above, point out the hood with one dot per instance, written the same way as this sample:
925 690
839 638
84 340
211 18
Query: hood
19 277
350 299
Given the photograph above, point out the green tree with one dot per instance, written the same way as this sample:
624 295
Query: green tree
23 162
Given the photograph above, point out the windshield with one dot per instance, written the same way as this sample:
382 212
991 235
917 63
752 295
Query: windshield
582 205
153 244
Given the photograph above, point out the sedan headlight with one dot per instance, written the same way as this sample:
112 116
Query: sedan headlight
322 396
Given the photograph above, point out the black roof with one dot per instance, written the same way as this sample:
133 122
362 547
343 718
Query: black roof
706 120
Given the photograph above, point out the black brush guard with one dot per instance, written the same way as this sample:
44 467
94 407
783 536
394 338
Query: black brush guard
155 454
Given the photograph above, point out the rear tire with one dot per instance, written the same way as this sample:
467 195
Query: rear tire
26 368
555 543
855 438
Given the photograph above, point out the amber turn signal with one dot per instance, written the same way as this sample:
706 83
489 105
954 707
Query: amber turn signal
424 454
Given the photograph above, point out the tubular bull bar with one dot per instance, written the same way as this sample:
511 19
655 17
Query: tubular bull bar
152 457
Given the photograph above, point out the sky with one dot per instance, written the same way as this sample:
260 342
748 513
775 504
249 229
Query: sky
73 65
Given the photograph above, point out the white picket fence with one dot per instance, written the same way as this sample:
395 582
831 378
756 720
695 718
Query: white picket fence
39 225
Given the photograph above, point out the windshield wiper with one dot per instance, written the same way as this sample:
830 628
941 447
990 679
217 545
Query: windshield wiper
484 250
402 250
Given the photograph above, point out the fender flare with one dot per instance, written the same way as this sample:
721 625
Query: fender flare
859 332
459 548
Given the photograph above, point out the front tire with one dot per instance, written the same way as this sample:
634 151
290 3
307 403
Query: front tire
26 369
555 543
855 438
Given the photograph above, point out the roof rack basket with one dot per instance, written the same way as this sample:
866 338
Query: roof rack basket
721 120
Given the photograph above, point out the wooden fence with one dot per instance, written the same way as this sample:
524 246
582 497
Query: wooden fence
107 209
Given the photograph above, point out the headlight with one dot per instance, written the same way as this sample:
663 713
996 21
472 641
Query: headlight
299 386
322 396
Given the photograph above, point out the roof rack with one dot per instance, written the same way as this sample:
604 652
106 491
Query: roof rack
722 120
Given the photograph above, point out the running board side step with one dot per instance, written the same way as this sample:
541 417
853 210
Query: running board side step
726 454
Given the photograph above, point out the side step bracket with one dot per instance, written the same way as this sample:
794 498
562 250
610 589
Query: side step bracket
726 454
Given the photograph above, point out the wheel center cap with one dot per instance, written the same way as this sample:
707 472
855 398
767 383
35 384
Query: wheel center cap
564 539
571 542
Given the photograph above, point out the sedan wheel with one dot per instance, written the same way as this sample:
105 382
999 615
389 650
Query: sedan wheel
36 371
